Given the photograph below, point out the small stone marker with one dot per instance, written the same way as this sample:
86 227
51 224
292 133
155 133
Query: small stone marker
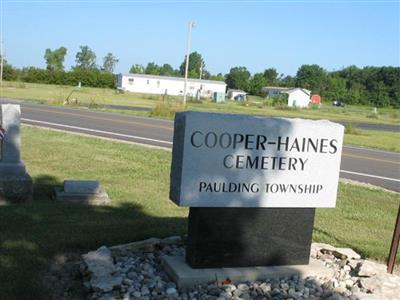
252 185
81 191
82 186
15 182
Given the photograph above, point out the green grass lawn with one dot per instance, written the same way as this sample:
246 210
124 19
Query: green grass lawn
137 180
385 140
54 94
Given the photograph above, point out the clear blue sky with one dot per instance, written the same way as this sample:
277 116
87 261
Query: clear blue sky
255 34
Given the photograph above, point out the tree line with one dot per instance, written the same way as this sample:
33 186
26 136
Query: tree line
196 69
85 70
377 86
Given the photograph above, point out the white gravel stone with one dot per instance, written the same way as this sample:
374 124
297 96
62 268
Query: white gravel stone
132 272
137 294
370 268
171 291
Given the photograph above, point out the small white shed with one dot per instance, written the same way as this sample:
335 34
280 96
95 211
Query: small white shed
232 94
298 97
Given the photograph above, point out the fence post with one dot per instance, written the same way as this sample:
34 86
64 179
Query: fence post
395 245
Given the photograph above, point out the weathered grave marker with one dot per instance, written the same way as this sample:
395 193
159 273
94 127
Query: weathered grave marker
252 185
82 186
81 191
15 182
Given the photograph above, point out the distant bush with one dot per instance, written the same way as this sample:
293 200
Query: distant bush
373 115
167 109
395 115
9 73
195 100
349 129
314 106
21 85
279 102
91 78
93 104
266 103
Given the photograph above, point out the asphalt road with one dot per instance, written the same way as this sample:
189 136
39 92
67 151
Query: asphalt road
366 165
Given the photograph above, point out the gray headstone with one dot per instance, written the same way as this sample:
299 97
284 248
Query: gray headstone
81 191
82 186
15 183
11 144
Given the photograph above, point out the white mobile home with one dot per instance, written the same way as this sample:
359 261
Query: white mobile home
155 84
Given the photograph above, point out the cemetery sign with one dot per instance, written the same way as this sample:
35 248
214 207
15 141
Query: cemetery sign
223 160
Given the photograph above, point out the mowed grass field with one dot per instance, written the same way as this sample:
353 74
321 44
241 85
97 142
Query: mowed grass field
137 180
55 94
384 140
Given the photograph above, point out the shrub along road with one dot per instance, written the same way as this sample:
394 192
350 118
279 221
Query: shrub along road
366 165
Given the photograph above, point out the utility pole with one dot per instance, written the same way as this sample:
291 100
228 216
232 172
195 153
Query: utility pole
189 39
1 60
201 70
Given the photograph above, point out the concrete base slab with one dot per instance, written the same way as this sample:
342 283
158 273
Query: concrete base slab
100 198
16 189
186 277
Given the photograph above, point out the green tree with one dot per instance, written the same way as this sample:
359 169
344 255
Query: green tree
137 69
256 83
356 94
238 78
9 72
167 70
312 77
287 81
379 86
352 74
205 74
55 59
85 59
271 76
109 62
152 68
336 89
218 77
379 95
196 63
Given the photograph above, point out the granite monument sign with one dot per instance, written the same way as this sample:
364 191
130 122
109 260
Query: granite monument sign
242 161
252 185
